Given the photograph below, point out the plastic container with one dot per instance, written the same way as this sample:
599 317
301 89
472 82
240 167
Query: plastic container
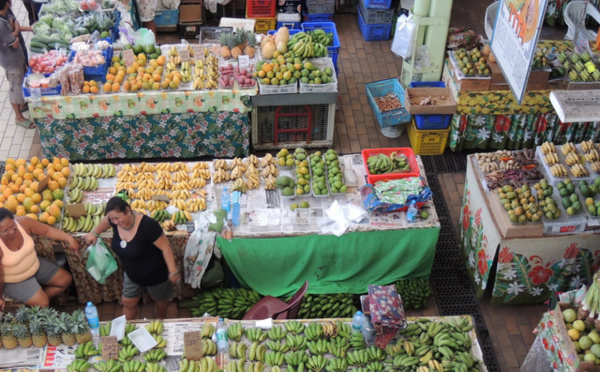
319 17
358 321
44 91
378 4
226 199
166 17
222 337
411 213
427 142
373 16
380 89
263 25
322 64
333 50
277 89
211 34
374 32
320 7
235 213
290 25
412 162
91 314
427 84
432 122
260 8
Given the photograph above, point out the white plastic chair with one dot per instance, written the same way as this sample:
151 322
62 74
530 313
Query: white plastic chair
574 18
490 19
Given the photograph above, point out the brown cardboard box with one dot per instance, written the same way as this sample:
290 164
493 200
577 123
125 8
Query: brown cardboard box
580 85
538 80
557 84
447 105
190 19
507 229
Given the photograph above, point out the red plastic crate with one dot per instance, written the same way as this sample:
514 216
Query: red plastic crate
261 8
412 162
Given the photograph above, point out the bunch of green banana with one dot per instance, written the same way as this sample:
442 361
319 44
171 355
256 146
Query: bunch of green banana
78 365
320 36
276 333
358 358
317 306
295 358
254 367
232 303
314 331
186 72
129 327
81 224
337 365
255 334
133 366
207 364
186 365
357 340
155 367
294 327
155 355
208 330
127 353
375 367
87 183
299 368
236 366
155 327
236 331
316 363
320 347
105 329
85 350
180 217
237 350
277 346
209 347
414 293
94 170
376 354
303 46
338 348
404 361
75 196
343 330
393 349
160 215
273 358
381 163
257 352
108 366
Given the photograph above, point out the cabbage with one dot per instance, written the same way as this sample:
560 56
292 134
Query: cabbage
41 29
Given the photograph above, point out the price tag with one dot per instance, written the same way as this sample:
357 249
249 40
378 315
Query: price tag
591 67
43 184
192 345
198 51
185 55
244 62
128 57
110 347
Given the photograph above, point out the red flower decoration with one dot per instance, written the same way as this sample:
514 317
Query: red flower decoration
502 124
466 217
478 217
482 262
541 124
540 274
572 251
96 115
505 255
143 112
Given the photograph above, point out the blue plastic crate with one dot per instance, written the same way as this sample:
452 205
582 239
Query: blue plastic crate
320 7
380 89
320 17
372 16
166 17
44 91
427 84
333 50
432 122
378 4
290 25
374 32
292 32
97 73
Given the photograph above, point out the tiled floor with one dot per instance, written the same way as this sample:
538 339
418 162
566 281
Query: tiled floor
355 128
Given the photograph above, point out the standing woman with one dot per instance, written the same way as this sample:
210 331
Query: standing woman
24 276
145 254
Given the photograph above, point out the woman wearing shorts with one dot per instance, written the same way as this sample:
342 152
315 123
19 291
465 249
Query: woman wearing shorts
145 254
24 276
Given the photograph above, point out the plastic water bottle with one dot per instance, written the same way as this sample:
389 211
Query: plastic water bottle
91 313
222 342
357 321
411 214
226 200
235 209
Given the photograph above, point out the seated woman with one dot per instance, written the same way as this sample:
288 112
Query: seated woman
24 276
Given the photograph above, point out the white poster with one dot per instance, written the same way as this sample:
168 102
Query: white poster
516 32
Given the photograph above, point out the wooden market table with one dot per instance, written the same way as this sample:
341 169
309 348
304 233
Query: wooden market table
528 264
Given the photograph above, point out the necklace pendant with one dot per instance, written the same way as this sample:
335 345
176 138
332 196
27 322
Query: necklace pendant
123 244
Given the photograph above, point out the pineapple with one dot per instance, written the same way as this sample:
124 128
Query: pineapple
38 332
22 314
64 324
53 331
250 49
9 340
226 41
80 327
239 41
21 331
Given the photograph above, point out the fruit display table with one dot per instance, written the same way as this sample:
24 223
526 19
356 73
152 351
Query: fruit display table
528 265
161 124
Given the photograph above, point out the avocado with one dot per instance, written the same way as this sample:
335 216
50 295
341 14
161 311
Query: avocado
287 191
283 182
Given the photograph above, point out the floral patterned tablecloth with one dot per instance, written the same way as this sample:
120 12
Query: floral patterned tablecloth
179 124
527 270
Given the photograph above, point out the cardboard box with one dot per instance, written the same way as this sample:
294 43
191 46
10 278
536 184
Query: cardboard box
510 230
447 105
580 85
190 13
468 84
447 79
557 84
538 80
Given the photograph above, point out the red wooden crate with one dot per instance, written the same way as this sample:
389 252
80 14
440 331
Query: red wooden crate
412 162
261 8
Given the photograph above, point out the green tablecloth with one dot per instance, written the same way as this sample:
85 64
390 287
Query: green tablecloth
346 264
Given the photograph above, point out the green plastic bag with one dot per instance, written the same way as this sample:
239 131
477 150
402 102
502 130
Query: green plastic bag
100 263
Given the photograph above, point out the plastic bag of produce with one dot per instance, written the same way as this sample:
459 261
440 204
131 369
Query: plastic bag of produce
198 251
100 263
404 38
392 196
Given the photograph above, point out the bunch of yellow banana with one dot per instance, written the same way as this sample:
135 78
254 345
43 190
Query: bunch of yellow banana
548 147
145 193
138 203
253 180
330 330
173 63
269 170
85 350
145 183
578 170
168 225
221 164
133 366
200 194
236 162
165 167
200 165
81 224
220 175
196 204
128 168
568 148
257 352
207 73
239 185
251 169
201 173
209 347
161 343
197 183
87 183
181 217
182 185
180 194
92 209
179 166
96 170
596 166
145 167
587 146
127 185
252 159
551 158
267 160
126 175
558 170
160 174
270 182
592 155
181 175
572 159
141 211
186 72
127 353
164 183
154 205
236 173
179 203
237 350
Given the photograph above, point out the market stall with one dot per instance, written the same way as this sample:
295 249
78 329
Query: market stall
530 260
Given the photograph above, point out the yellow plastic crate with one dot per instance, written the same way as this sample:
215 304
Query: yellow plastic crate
263 25
427 142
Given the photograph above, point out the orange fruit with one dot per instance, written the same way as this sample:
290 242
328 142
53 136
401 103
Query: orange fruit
22 170
10 161
62 182
41 176
20 162
52 185
47 195
29 192
66 171
51 220
45 162
107 87
35 209
20 211
30 168
86 89
21 197
57 175
2 198
64 162
28 176
44 217
94 90
116 87
58 203
8 192
44 204
15 188
54 210
32 216
28 203
34 160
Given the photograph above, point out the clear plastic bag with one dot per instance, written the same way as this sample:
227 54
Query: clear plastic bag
100 263
404 38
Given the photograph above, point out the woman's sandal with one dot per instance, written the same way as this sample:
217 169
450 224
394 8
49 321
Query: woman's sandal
27 124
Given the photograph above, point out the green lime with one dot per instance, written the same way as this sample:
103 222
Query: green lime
424 214
294 206
304 204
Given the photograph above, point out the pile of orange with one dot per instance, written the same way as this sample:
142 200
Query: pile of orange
141 75
91 87
19 188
